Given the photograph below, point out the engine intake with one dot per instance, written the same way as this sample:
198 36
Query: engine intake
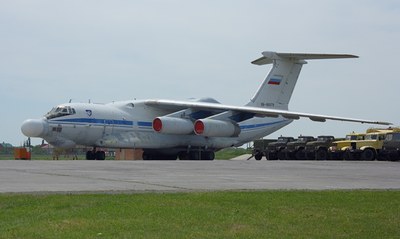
216 128
171 125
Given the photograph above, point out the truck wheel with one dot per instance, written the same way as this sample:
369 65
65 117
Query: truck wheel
281 155
271 156
258 156
397 157
300 155
347 155
368 155
321 154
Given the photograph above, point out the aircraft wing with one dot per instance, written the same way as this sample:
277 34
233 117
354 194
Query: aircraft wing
261 112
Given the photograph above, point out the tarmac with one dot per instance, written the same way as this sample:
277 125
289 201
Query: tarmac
82 176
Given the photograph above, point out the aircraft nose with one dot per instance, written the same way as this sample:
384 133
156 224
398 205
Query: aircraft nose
34 127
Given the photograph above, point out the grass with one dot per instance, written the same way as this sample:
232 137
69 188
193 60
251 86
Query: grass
229 153
264 214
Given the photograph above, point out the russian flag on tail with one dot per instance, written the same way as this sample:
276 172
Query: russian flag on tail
275 80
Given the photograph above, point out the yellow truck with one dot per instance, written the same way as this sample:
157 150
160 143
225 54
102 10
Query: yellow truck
350 138
367 148
338 148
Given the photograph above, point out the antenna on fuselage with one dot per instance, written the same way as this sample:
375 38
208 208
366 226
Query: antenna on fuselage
89 101
70 100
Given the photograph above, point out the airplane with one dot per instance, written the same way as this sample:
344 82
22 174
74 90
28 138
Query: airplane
192 129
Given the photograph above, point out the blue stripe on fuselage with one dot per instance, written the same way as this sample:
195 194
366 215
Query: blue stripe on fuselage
145 124
95 121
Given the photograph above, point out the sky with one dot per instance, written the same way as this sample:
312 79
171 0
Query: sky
103 51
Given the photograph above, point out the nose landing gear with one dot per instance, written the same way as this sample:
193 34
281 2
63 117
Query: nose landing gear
95 155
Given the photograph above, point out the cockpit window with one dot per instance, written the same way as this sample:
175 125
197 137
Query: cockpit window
60 111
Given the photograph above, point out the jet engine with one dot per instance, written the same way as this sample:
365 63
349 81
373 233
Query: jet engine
216 128
171 125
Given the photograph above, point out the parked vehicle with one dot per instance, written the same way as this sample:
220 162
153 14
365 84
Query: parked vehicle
369 148
376 143
391 147
318 150
260 146
295 150
275 148
339 147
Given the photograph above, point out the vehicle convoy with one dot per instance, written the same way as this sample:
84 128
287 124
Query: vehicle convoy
318 150
376 143
391 147
295 150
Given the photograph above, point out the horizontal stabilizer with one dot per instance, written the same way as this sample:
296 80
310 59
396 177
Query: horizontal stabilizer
268 57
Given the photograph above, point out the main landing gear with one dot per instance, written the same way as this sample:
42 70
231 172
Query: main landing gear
196 155
95 155
181 155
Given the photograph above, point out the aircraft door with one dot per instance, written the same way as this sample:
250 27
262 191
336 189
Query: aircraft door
108 128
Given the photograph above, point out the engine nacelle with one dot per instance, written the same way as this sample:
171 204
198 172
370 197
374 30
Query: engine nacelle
171 125
216 128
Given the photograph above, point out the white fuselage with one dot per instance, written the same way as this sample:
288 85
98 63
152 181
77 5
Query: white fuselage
128 124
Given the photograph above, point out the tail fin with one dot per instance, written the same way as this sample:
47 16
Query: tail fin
276 90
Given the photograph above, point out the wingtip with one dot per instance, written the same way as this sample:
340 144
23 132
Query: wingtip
383 123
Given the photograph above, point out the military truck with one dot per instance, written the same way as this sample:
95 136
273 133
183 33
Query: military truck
275 148
260 146
318 150
391 147
295 150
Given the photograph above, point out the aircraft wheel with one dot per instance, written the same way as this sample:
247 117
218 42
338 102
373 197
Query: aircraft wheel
207 155
146 156
183 156
167 157
90 155
194 155
100 155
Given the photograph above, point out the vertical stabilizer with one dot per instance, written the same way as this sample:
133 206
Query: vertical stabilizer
276 90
